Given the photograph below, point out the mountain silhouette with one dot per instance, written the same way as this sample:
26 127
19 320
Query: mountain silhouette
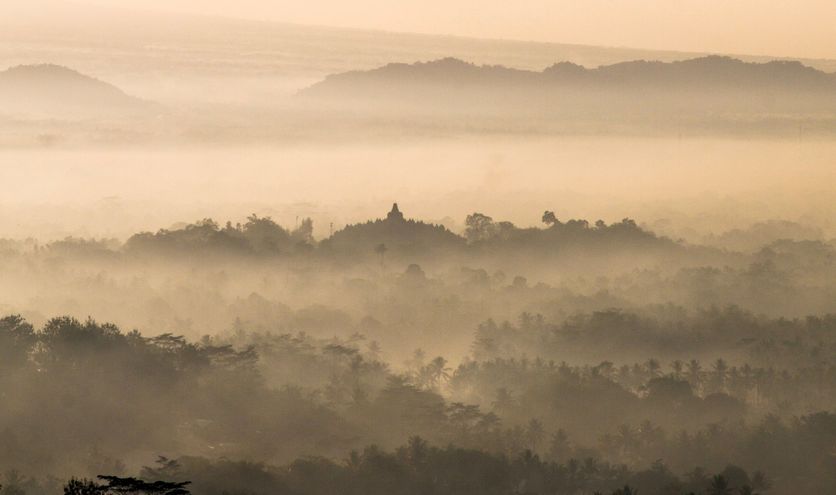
710 70
709 84
56 91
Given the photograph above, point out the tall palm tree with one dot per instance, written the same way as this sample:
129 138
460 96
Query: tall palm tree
534 433
439 371
695 374
677 367
747 378
719 375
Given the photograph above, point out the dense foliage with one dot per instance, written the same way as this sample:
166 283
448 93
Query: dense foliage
398 357
108 396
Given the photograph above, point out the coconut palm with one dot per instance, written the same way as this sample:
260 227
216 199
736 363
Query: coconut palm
534 433
694 374
677 367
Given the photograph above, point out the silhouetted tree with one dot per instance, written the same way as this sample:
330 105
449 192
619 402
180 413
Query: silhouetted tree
550 219
719 486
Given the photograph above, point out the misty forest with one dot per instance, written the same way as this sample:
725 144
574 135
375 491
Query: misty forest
244 257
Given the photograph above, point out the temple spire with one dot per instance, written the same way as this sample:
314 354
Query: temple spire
395 215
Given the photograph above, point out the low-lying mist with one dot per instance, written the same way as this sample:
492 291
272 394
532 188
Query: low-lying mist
245 258
684 187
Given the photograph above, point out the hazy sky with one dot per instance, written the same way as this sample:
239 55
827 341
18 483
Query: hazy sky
802 28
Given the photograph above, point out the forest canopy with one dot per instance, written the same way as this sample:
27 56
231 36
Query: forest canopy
397 356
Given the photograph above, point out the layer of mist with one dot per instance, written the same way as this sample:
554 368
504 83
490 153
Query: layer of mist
252 258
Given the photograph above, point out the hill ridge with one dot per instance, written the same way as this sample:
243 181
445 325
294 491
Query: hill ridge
711 68
57 90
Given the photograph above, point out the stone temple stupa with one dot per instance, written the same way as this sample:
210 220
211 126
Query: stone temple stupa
395 215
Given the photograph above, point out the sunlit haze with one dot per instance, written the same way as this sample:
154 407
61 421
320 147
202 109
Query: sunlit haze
458 247
800 29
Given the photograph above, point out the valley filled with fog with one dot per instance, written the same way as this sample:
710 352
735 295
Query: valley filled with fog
246 257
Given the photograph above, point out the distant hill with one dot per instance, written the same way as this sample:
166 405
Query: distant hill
169 57
703 73
706 85
48 90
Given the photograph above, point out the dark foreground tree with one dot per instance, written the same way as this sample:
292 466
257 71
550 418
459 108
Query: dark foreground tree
82 487
115 485
719 486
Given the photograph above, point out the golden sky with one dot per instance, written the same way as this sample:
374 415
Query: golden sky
800 28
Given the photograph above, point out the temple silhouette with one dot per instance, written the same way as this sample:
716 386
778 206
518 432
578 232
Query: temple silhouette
395 214
400 235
